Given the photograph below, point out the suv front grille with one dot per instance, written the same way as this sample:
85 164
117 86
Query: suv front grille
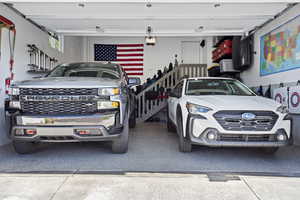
232 120
58 107
246 138
58 91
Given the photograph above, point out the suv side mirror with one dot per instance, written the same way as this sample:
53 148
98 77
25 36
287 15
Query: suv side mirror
134 81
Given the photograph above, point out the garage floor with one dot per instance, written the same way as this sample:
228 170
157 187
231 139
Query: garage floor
151 149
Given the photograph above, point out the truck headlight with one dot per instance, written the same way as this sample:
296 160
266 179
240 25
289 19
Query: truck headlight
108 91
197 109
282 109
14 91
15 104
106 105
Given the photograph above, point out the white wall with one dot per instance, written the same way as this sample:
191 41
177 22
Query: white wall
28 34
252 76
155 57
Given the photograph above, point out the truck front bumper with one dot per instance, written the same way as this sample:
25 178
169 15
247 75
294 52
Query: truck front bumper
96 127
213 135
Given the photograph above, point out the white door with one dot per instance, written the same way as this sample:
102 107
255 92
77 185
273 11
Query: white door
193 53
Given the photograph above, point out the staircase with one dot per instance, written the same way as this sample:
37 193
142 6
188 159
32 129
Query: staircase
148 108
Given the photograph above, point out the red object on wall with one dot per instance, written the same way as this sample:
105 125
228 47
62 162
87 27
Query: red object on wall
223 50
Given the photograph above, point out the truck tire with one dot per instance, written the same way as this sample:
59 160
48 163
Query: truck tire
120 145
270 150
170 125
185 144
24 147
132 120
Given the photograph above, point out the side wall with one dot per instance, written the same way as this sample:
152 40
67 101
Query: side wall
252 76
28 34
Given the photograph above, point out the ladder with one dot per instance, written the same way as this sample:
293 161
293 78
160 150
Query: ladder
148 108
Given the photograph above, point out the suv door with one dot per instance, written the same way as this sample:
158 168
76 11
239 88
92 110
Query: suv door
174 100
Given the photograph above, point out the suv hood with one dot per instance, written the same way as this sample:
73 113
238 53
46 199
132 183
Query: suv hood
226 102
67 82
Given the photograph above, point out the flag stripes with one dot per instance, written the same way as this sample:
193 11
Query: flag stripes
129 56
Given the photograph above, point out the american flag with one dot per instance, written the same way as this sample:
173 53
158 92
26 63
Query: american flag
129 56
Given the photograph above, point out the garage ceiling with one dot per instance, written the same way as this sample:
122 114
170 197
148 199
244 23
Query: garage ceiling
167 18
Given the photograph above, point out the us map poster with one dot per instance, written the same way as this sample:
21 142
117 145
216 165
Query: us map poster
280 48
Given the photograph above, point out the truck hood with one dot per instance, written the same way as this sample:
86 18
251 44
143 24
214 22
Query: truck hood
67 82
226 102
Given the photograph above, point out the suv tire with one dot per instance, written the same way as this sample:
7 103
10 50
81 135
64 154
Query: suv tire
24 147
120 145
185 144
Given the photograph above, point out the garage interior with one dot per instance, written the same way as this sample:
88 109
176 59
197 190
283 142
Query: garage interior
187 35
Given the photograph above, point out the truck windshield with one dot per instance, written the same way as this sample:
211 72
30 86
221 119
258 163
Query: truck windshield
100 70
217 87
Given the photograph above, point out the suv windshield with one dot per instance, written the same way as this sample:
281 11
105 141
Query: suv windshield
99 70
217 87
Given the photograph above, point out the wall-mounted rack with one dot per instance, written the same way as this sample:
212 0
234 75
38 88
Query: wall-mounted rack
39 61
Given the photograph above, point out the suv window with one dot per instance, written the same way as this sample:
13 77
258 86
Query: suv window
178 89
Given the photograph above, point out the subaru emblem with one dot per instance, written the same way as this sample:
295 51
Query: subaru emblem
248 116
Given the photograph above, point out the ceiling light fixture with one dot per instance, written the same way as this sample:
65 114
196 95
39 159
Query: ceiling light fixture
81 5
148 5
217 5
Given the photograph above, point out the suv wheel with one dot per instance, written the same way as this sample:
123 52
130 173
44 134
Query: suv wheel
120 145
24 147
185 144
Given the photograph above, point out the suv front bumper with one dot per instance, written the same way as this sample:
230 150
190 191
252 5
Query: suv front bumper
199 128
66 128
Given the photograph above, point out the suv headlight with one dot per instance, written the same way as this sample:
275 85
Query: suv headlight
197 109
14 91
283 109
107 105
108 91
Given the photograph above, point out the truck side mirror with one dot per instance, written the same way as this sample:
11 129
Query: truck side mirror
134 81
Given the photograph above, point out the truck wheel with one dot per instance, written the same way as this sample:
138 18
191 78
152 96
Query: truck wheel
185 144
120 145
132 120
24 147
170 126
270 150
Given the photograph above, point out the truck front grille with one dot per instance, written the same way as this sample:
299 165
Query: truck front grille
58 91
232 120
58 107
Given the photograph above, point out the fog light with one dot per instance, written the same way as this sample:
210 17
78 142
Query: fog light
19 132
30 132
281 137
211 135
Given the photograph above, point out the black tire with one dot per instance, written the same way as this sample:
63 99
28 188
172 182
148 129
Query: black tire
132 120
270 150
185 144
120 145
170 125
24 147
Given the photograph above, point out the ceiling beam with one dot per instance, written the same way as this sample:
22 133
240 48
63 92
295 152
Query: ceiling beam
175 33
151 1
175 17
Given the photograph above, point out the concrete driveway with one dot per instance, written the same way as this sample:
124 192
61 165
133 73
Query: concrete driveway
151 149
147 187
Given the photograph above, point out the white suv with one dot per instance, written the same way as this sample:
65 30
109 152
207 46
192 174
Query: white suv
225 112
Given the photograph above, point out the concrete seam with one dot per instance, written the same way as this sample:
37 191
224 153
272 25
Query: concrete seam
64 181
250 188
